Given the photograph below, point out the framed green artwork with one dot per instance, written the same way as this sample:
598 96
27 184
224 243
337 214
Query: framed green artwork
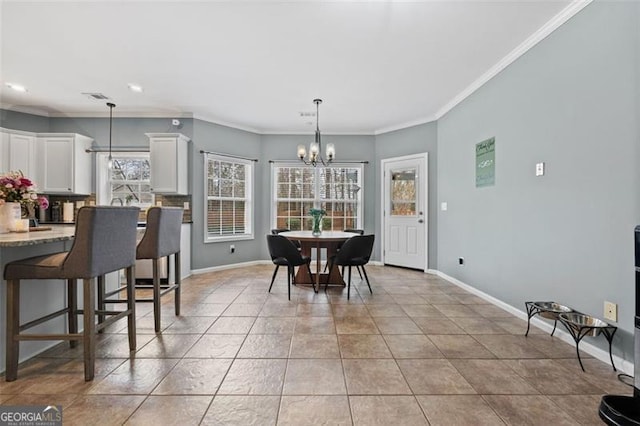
486 163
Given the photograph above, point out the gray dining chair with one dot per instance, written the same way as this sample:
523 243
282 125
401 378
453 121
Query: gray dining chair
104 241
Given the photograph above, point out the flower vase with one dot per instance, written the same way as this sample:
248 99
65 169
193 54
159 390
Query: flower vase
9 213
317 225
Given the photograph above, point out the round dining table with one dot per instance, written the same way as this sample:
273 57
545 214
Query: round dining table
330 240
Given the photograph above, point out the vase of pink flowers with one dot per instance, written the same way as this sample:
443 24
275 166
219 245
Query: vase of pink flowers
18 197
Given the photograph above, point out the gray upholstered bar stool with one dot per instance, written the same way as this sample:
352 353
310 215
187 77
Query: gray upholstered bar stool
105 241
161 239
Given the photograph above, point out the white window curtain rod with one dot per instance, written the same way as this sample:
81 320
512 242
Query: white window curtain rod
119 149
334 164
228 155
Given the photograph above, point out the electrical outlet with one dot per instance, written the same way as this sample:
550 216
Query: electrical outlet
611 311
232 248
185 205
159 203
461 261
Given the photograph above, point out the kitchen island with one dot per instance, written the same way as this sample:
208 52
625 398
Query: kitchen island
38 297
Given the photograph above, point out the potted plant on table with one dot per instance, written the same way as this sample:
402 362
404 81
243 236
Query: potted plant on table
18 197
317 215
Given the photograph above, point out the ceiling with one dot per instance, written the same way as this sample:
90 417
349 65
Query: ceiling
377 65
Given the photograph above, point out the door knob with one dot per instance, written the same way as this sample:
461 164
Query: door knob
420 221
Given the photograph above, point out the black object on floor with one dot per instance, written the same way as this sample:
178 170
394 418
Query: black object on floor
620 410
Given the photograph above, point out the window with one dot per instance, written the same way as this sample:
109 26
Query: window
336 189
229 198
127 182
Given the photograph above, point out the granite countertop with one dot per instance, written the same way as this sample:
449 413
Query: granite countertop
55 234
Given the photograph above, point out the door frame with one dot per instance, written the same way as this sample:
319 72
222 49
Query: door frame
383 188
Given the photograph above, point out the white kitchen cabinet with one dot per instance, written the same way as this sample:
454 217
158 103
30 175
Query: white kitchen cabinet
168 154
65 163
18 152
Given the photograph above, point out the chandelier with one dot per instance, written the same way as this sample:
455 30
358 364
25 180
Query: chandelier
315 149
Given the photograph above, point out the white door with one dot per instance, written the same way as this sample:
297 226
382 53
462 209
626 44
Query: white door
405 211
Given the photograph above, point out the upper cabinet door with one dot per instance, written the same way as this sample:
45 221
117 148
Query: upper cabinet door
169 163
66 166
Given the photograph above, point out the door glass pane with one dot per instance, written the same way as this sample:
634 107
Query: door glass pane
403 192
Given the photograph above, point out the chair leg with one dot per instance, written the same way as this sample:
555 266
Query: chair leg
156 296
101 304
131 306
289 281
359 272
349 284
176 258
326 283
72 305
311 275
366 278
89 333
13 329
273 278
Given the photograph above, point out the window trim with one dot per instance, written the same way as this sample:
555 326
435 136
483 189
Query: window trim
249 198
102 175
316 202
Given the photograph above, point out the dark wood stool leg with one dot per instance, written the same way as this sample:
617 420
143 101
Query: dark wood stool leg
101 304
89 333
178 282
156 296
349 284
131 306
72 305
13 328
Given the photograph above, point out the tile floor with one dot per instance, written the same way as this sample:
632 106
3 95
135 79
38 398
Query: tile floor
418 351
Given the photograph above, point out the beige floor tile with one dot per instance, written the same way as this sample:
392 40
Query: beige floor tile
517 326
440 299
231 325
216 346
412 346
363 346
551 378
117 345
455 310
460 346
243 310
490 311
509 346
315 325
356 325
553 347
374 377
273 325
386 410
313 310
597 373
397 325
171 410
189 325
194 377
478 325
386 310
421 311
528 410
265 346
582 408
314 377
438 325
470 299
109 409
314 410
314 346
459 410
254 377
342 311
279 310
434 376
408 299
136 376
232 410
492 376
203 309
168 346
57 399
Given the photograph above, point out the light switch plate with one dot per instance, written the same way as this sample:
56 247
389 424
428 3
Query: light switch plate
443 206
540 169
159 203
611 311
185 206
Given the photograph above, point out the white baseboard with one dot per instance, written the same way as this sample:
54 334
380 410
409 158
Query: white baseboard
623 365
230 266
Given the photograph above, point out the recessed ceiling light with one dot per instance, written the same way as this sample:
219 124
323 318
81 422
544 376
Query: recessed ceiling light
17 87
135 88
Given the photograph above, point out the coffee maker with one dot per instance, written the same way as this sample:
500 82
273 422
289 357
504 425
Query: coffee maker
625 410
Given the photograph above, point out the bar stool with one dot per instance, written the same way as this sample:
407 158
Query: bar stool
161 239
105 241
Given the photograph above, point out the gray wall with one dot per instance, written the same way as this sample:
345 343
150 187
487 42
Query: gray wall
212 137
571 102
21 121
412 140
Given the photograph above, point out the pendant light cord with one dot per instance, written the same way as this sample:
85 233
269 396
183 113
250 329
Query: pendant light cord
110 105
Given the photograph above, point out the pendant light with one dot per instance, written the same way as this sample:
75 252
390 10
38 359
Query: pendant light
315 149
111 105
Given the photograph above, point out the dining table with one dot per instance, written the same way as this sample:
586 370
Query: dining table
329 240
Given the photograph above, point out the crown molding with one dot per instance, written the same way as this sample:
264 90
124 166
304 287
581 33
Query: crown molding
551 25
290 133
25 110
120 114
226 124
405 125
